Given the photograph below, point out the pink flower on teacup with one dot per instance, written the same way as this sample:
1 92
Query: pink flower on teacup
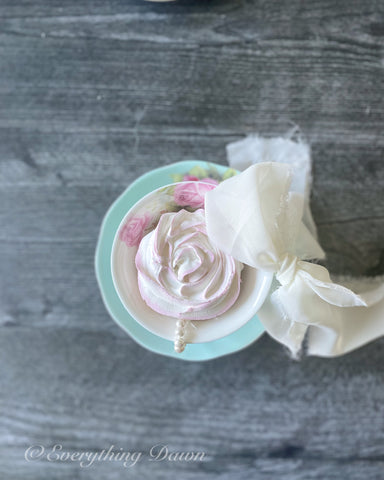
191 194
133 231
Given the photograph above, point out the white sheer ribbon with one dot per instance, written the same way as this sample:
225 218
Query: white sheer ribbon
262 218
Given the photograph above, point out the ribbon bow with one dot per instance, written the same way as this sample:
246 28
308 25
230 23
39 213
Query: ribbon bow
256 219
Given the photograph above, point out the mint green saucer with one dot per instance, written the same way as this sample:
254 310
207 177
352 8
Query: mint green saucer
159 177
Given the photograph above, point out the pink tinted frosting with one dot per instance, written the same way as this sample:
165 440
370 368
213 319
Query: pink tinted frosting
180 274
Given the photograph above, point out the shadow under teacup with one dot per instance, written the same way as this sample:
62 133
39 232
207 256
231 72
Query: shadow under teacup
143 218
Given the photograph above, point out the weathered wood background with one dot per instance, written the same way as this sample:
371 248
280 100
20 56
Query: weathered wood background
95 93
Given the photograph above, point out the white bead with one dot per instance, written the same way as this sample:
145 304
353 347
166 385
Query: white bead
179 343
179 347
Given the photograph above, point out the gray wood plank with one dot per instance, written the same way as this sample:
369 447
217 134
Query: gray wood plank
264 413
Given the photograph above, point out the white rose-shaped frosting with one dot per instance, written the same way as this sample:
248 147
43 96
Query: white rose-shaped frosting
181 274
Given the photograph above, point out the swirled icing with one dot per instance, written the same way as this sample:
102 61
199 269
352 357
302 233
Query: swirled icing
181 274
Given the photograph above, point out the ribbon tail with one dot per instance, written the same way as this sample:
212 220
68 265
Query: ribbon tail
357 327
357 324
338 320
318 280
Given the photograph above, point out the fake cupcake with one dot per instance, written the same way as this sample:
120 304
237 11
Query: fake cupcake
181 274
171 278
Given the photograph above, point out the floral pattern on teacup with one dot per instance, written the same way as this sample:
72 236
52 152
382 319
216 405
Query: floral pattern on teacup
133 231
188 195
209 174
191 194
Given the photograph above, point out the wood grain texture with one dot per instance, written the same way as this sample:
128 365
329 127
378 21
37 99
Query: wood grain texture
93 94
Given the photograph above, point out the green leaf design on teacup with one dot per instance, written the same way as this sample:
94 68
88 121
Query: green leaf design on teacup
177 177
229 173
198 172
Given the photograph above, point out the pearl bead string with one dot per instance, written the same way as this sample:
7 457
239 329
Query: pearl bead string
180 343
